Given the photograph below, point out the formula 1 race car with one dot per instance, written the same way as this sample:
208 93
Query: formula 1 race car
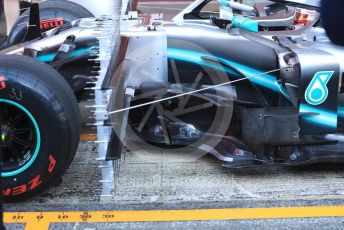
252 90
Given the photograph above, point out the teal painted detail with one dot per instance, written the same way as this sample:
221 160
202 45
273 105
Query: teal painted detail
317 91
245 23
38 141
324 118
340 111
223 2
50 56
262 79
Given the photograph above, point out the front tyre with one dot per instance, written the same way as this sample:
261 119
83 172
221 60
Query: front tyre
39 126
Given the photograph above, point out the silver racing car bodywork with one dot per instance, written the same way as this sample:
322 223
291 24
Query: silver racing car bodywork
269 97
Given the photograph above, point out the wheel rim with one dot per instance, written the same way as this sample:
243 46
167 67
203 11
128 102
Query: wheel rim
19 136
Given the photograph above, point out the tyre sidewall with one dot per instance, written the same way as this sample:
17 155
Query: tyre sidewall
38 98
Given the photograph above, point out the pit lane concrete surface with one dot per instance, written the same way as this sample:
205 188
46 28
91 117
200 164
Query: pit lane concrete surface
184 193
170 182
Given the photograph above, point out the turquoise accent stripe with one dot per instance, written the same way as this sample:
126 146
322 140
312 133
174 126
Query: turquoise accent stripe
245 23
50 56
341 111
265 80
38 141
223 2
324 118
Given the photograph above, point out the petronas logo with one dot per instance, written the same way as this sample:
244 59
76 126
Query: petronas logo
317 91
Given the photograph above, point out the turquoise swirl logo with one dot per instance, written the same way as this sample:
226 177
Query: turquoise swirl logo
317 92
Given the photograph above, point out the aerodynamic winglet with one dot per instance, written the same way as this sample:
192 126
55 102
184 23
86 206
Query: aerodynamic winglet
33 28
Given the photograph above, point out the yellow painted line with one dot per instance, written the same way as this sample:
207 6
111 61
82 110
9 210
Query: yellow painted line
88 137
41 220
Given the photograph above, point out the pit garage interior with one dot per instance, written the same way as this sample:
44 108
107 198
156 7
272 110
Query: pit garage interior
152 187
